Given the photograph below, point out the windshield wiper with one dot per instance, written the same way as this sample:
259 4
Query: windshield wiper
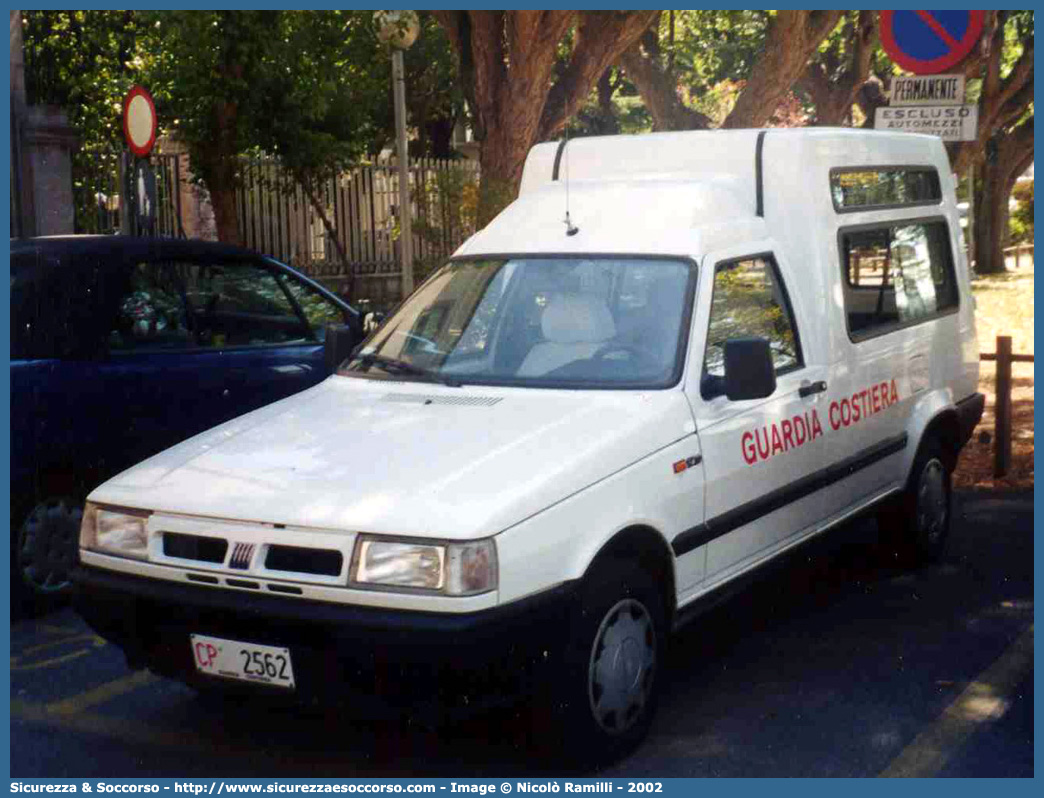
392 365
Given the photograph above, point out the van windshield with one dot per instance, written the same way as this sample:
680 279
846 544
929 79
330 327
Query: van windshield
560 322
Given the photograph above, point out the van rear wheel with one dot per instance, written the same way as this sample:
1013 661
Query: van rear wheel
920 523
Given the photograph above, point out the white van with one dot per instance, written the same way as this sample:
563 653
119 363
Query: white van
572 437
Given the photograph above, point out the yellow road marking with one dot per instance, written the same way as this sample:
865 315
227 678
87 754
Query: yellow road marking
111 727
985 699
80 638
205 740
51 629
99 695
18 661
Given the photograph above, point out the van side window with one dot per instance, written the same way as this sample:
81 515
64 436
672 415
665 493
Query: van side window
859 189
896 275
749 301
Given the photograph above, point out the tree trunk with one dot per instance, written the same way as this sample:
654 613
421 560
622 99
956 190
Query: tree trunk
792 39
219 173
1003 99
658 86
988 257
999 171
606 123
833 80
516 87
870 97
223 200
502 160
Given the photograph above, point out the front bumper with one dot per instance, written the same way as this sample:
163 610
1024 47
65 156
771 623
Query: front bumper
374 659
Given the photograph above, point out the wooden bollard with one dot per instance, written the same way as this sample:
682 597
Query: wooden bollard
1002 411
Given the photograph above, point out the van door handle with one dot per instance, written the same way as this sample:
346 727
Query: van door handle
809 388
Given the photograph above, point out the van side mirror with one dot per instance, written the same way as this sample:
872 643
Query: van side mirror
340 340
749 371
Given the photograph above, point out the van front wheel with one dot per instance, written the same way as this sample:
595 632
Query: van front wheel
614 661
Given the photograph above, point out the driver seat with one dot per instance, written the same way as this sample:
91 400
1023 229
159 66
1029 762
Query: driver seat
575 326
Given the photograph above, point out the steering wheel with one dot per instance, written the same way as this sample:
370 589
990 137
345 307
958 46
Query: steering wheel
636 351
427 345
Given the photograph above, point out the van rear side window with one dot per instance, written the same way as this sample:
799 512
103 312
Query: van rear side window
896 275
860 189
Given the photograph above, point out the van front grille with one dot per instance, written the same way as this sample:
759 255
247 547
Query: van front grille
194 547
322 562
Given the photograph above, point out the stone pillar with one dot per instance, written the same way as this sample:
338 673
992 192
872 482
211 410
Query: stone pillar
17 59
21 193
48 143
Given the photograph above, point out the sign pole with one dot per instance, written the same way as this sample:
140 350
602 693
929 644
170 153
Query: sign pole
127 201
405 220
139 129
400 29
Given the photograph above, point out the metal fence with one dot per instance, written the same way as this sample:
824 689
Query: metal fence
360 218
113 193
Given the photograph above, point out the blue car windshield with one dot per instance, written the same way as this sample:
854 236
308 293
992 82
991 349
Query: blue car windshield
571 322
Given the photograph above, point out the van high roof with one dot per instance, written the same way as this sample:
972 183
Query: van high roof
687 191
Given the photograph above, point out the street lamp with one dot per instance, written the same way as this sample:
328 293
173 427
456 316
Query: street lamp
399 29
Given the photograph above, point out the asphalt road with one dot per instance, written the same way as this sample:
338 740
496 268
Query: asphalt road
841 664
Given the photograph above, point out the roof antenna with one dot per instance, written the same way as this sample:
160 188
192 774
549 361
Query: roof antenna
571 229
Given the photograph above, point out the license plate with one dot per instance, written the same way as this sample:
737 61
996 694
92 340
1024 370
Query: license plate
247 662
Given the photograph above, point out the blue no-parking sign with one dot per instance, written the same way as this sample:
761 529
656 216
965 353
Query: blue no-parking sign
927 42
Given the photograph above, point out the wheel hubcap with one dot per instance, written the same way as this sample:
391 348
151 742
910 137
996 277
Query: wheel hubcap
931 501
49 540
622 664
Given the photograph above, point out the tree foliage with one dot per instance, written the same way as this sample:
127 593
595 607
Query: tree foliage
313 88
291 83
740 66
840 68
83 62
1022 217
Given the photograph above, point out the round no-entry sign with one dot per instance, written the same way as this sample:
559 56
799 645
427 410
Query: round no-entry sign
927 42
139 121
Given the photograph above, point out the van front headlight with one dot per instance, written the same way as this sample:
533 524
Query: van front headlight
454 569
112 530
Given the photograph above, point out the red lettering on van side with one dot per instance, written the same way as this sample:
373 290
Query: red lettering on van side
834 415
800 429
876 397
777 444
893 398
857 411
747 445
788 434
763 451
817 428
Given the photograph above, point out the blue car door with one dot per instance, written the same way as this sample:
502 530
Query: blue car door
260 327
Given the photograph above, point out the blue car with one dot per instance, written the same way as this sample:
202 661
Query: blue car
122 347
